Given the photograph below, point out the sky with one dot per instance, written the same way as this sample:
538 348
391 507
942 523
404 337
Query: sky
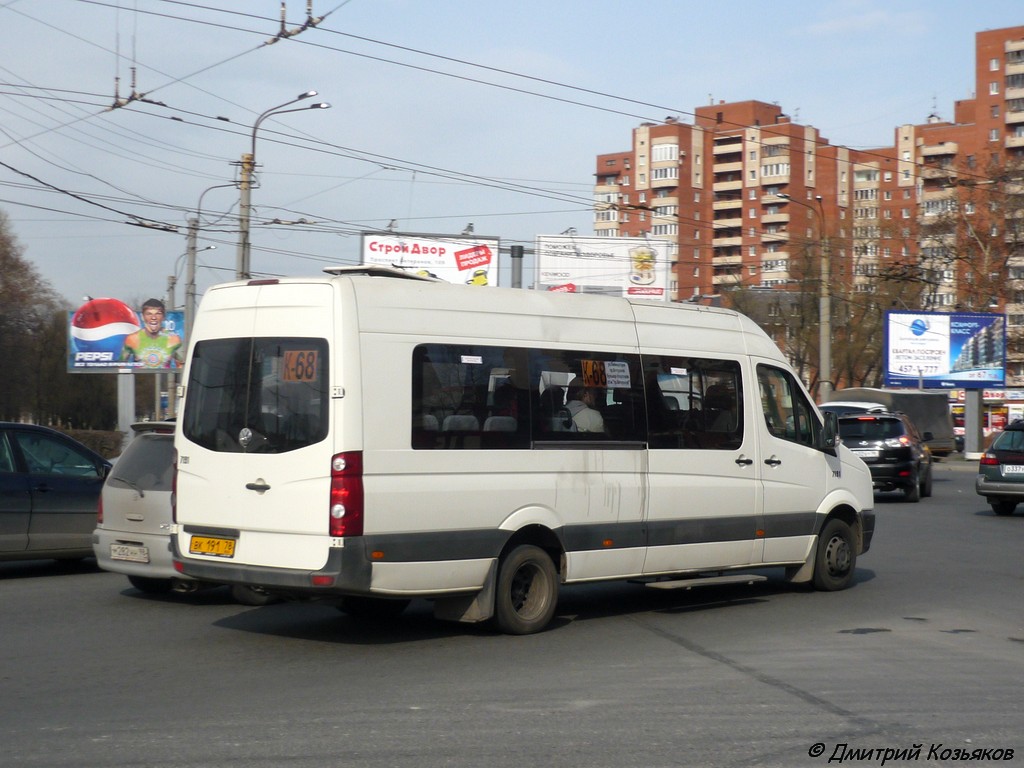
442 113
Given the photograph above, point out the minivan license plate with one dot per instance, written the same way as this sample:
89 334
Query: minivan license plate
1013 469
133 553
211 545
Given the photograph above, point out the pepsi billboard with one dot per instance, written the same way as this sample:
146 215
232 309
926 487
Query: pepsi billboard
106 335
940 350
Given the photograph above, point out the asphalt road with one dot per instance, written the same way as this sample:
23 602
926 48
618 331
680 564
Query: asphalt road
925 652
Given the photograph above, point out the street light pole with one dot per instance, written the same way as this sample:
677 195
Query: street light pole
248 166
190 270
824 302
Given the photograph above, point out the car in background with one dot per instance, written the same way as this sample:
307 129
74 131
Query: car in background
845 408
49 484
893 449
133 517
1001 470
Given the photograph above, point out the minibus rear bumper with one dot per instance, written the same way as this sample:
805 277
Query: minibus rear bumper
347 571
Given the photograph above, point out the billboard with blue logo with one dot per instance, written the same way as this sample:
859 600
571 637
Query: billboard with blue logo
941 350
106 335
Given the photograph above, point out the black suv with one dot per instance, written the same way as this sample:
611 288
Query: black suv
893 449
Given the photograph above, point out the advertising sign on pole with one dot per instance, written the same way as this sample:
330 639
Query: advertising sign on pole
611 266
108 336
944 350
460 259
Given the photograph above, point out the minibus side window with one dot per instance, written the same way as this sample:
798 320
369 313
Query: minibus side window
694 403
788 413
585 396
469 397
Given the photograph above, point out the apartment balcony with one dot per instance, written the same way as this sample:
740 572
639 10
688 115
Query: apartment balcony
1015 69
733 222
936 172
730 279
942 148
1013 45
1014 141
721 261
1014 117
1014 93
727 242
736 167
732 147
725 205
774 237
775 218
727 186
662 183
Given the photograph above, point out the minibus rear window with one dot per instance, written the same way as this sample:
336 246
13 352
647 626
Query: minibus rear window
257 395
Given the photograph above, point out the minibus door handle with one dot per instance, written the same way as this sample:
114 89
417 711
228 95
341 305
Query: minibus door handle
260 486
743 461
773 462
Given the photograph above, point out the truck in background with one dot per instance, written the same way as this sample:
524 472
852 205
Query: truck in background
929 411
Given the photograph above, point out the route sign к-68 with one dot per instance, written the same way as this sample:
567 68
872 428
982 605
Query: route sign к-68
944 350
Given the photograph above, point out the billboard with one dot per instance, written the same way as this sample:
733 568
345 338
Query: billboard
460 259
108 336
612 266
944 350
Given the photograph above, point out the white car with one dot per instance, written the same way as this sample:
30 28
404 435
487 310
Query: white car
132 534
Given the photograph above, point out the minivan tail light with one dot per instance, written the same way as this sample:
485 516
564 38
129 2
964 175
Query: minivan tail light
99 511
346 503
989 460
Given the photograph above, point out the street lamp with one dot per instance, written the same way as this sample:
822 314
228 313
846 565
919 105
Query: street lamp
248 166
190 271
824 302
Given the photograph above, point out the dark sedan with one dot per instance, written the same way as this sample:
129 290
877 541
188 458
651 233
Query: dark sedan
49 487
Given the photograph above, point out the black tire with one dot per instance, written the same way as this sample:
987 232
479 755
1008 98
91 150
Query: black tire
836 557
372 608
912 492
151 586
527 591
255 596
926 483
1003 507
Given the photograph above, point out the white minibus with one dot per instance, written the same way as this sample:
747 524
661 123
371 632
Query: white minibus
368 437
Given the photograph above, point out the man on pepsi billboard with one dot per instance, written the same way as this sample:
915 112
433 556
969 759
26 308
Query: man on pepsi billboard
152 346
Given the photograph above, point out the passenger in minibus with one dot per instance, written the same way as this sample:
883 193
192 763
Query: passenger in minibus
581 406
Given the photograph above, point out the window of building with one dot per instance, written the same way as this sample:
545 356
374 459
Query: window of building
664 152
993 88
993 65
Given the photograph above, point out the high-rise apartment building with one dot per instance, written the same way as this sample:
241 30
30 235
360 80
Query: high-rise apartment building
747 198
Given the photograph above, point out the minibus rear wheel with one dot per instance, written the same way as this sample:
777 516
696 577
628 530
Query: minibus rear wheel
527 591
836 557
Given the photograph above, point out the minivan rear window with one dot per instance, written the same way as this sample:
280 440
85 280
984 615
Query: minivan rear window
257 395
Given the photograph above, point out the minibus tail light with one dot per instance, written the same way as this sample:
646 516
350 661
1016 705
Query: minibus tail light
174 489
346 503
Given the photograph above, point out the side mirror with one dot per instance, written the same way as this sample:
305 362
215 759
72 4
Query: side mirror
830 433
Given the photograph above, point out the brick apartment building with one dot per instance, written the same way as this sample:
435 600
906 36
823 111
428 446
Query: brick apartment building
746 199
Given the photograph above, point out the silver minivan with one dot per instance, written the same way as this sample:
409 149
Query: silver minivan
133 519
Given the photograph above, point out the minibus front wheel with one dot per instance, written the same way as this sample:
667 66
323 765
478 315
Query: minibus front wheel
836 557
527 592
